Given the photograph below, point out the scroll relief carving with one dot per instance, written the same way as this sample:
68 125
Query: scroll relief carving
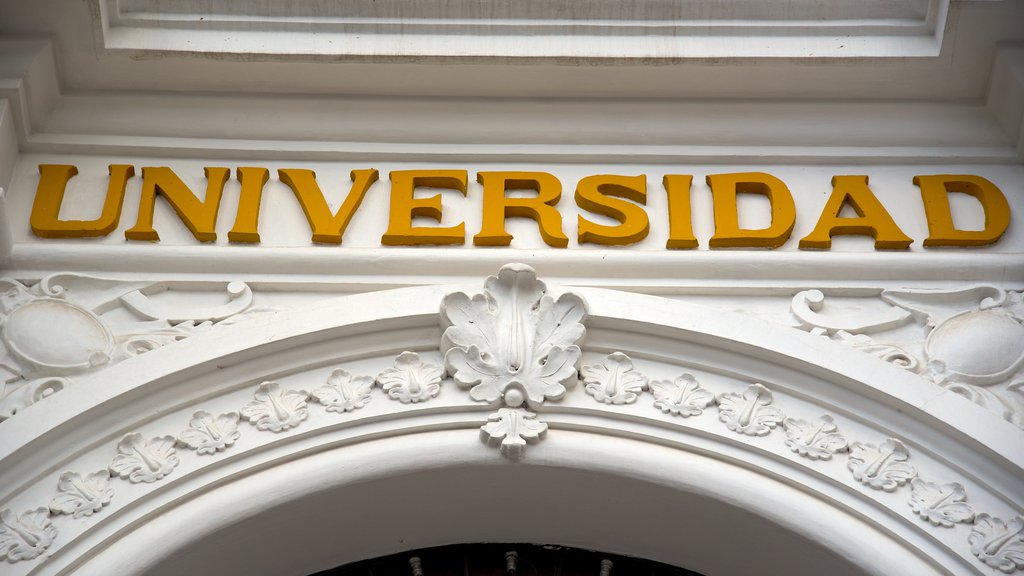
57 329
970 341
513 345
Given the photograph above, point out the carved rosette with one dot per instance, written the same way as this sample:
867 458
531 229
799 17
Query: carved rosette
614 381
80 496
998 543
940 504
27 536
512 344
139 460
750 412
209 434
411 380
882 467
681 397
817 439
344 392
275 409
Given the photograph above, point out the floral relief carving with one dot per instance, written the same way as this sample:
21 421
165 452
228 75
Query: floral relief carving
411 380
882 467
816 439
275 409
998 543
27 536
615 381
209 434
749 412
80 496
940 504
344 392
139 460
513 428
681 397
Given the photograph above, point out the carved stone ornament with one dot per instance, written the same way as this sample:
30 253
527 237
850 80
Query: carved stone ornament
816 439
998 543
209 434
513 335
344 392
614 381
940 504
882 467
27 536
411 380
80 496
681 397
513 428
57 329
275 409
749 413
139 460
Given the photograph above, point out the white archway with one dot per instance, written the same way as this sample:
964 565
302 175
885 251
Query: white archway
702 492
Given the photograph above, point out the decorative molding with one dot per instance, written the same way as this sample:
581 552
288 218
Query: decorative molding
808 307
344 392
27 536
614 381
816 439
513 427
80 496
940 504
275 409
681 397
998 543
209 434
882 467
411 380
750 412
139 460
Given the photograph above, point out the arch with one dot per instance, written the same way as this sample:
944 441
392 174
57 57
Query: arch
700 492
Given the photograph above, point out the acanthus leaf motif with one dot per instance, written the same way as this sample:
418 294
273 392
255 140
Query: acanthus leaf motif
82 496
614 381
275 409
139 460
940 504
998 543
681 397
27 536
411 379
513 427
750 412
344 392
209 434
514 336
817 439
882 467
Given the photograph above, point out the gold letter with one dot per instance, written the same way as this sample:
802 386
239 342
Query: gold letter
247 218
200 217
540 208
600 194
53 180
872 219
680 223
728 233
327 228
404 207
934 192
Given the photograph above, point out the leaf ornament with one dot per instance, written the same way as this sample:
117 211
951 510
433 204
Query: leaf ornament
80 496
27 536
275 409
997 543
513 335
882 467
615 381
940 504
817 439
749 413
343 392
681 397
513 428
411 380
209 434
139 460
